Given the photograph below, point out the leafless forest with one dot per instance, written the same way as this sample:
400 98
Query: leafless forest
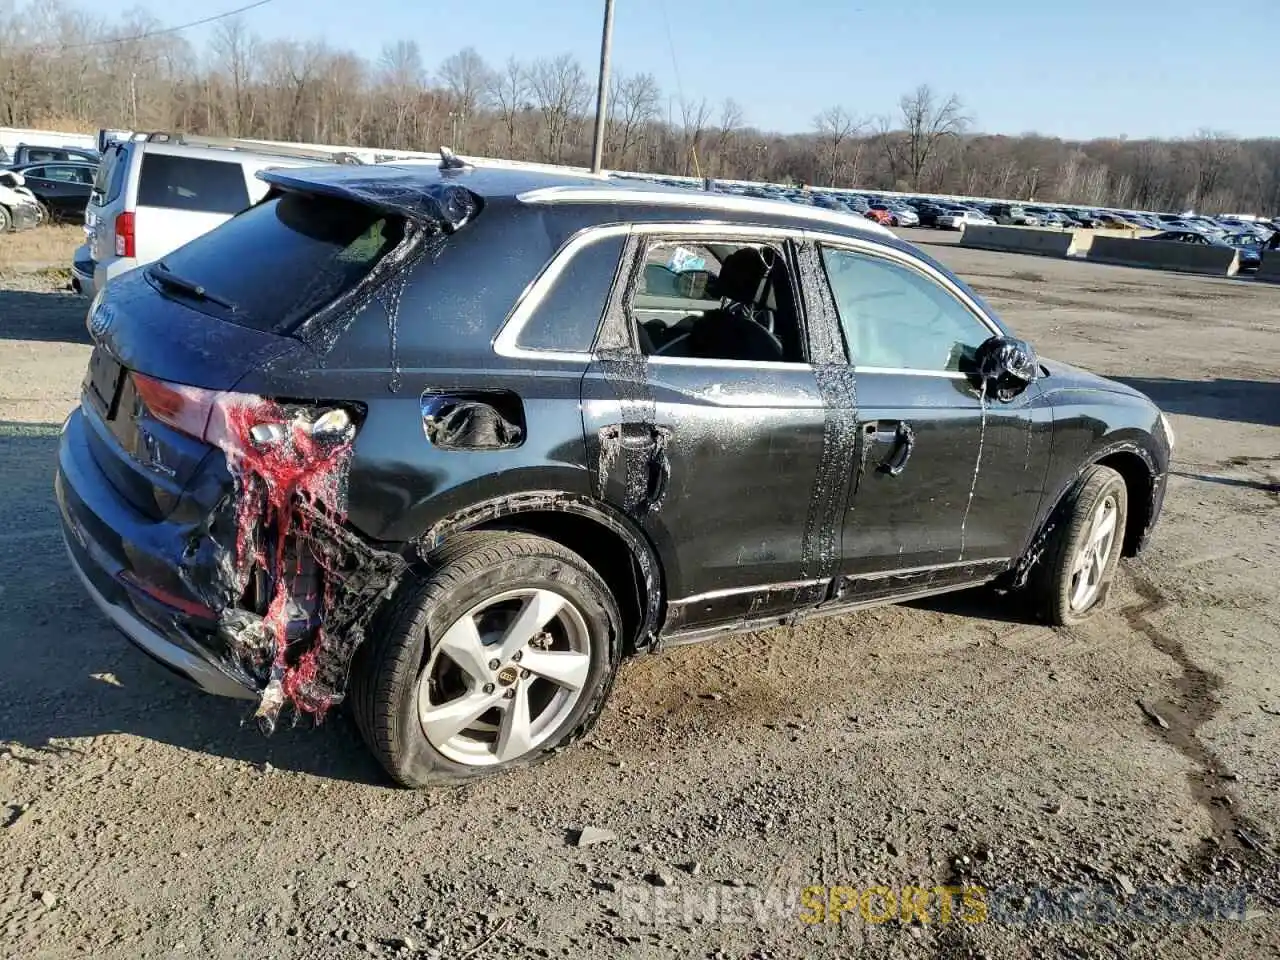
57 71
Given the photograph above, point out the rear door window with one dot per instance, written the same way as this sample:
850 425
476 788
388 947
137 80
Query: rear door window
188 183
283 260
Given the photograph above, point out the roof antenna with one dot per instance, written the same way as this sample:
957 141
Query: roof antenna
451 161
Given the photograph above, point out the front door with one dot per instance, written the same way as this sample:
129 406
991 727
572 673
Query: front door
707 434
946 479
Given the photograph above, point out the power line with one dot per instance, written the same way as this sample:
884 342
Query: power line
162 32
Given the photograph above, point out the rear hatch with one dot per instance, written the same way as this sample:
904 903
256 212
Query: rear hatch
107 200
180 333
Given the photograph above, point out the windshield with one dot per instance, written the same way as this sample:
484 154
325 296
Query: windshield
277 263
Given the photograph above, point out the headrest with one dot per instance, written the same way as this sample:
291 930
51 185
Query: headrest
743 273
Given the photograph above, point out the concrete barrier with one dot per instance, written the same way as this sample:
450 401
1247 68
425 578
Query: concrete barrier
1269 269
1046 243
1083 238
1166 255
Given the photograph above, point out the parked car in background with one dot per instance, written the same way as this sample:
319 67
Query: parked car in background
153 193
900 215
1050 218
26 154
957 219
827 202
470 554
929 213
1250 251
19 209
63 189
1250 247
1012 215
880 215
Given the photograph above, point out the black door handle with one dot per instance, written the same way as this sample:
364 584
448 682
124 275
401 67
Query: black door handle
902 437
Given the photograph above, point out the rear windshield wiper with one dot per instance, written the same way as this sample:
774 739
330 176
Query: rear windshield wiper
168 278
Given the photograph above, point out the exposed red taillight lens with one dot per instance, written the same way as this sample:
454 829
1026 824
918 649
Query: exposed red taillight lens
188 409
231 420
125 246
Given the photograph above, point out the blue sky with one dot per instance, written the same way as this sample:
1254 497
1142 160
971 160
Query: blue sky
1070 68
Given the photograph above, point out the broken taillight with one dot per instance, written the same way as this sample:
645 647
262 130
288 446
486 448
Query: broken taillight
227 419
187 409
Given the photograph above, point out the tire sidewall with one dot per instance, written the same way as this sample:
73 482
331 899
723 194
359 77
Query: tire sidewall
1098 483
422 762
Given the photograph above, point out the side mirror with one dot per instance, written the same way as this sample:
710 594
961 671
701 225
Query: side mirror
12 178
1006 362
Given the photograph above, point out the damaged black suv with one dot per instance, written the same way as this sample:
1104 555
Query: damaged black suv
452 442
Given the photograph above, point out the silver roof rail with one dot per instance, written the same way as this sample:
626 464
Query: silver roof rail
249 146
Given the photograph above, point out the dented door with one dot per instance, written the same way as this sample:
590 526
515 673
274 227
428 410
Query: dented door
715 460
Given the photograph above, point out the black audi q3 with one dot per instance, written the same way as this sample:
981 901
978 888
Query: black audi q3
449 443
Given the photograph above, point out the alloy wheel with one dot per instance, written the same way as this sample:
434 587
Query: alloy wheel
504 677
1091 560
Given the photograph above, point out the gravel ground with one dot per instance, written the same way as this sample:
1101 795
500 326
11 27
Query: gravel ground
949 743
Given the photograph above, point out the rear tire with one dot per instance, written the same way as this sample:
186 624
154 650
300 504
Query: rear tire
1074 576
6 221
450 650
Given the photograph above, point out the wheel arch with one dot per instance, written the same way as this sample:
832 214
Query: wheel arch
611 543
1138 473
1142 479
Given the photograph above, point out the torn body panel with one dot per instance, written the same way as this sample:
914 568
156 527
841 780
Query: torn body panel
292 588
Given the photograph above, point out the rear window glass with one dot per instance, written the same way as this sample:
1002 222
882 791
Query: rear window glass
109 180
283 260
569 314
185 183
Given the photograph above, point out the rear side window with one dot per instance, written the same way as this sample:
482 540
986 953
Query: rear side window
567 318
185 183
283 260
109 180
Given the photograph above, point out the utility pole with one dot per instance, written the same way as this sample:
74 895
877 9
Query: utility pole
602 92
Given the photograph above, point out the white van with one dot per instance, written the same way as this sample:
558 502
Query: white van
154 193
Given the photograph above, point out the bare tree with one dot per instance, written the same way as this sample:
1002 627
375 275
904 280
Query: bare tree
468 79
694 117
731 118
633 106
236 49
925 124
402 76
54 74
509 93
836 126
1211 153
560 90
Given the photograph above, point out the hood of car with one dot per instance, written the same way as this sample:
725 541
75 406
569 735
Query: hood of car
1064 376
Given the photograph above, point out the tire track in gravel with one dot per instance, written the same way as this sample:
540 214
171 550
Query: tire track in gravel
1195 704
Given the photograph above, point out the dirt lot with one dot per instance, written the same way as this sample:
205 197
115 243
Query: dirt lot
951 742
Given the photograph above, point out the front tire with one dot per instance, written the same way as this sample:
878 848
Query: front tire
6 221
1080 559
505 650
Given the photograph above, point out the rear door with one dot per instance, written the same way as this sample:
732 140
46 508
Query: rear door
181 197
716 458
